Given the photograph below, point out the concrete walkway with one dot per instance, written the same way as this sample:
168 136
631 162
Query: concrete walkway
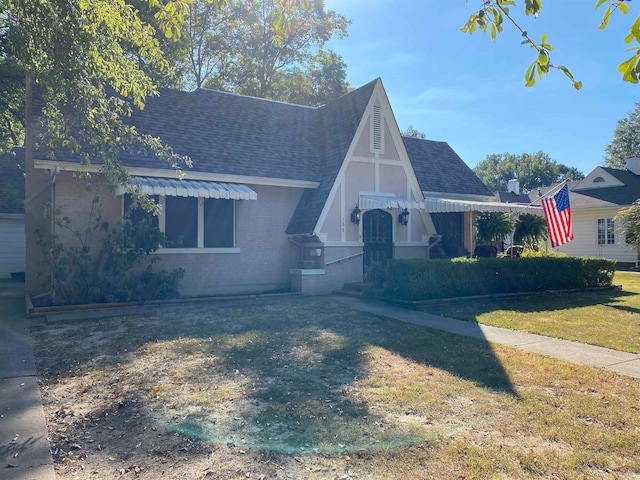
615 361
24 446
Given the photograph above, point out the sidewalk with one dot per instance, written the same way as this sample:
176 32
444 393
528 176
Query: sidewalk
24 446
615 361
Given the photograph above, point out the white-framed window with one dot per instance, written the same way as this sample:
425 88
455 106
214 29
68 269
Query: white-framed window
606 231
192 223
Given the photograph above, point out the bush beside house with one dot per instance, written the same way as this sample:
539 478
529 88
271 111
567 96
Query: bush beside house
421 279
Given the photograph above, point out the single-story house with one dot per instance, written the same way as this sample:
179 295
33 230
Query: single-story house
279 195
594 202
12 236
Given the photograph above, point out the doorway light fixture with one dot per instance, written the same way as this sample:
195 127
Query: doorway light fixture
355 215
403 218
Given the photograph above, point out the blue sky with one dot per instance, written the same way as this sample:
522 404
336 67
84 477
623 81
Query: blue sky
469 91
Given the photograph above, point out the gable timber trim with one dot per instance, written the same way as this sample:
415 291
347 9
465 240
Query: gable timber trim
380 98
167 173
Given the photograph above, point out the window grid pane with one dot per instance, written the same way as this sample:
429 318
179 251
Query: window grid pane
611 236
140 213
218 223
181 223
601 231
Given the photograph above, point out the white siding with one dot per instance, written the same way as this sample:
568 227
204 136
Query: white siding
585 240
12 240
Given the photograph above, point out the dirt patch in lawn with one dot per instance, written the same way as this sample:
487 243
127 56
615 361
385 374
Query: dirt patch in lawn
296 389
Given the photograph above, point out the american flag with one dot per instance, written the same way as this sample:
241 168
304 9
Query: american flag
557 213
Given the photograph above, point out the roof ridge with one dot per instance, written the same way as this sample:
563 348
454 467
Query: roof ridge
206 90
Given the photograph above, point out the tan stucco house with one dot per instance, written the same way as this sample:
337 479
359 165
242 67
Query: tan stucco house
279 196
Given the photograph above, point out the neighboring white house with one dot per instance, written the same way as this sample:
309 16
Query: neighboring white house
12 237
595 201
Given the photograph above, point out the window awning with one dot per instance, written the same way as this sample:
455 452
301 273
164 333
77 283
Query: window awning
446 205
369 202
193 188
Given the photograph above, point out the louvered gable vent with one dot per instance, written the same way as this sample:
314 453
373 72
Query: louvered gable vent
376 130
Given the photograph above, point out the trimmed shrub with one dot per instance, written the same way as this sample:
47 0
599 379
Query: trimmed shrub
423 279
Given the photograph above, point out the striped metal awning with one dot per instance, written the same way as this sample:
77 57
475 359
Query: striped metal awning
192 188
369 202
446 205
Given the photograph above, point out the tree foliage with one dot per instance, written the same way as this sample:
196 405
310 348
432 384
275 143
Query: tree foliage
493 227
629 219
530 230
532 170
413 132
267 48
323 80
107 264
85 57
626 140
494 14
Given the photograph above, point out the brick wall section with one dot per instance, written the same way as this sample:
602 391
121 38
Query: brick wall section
37 201
266 255
336 274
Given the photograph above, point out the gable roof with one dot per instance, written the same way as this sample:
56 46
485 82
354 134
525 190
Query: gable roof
512 197
610 197
12 182
337 123
440 169
599 198
230 134
233 134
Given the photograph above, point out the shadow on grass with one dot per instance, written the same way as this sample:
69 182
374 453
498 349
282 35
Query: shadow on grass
285 376
546 302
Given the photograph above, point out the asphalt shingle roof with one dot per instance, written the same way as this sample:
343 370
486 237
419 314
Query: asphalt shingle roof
607 197
440 169
224 133
12 181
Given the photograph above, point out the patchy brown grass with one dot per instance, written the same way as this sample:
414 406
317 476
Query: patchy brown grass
308 389
606 318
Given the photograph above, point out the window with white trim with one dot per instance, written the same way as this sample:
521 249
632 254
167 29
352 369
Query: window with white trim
606 231
191 222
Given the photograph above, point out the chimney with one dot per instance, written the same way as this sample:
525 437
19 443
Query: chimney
633 164
513 186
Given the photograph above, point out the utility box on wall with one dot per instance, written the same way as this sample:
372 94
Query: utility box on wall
313 256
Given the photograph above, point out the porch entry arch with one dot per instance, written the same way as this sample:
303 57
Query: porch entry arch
377 236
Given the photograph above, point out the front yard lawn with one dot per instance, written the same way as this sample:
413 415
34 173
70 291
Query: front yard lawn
608 318
308 389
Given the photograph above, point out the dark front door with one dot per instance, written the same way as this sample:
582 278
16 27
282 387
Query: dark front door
377 236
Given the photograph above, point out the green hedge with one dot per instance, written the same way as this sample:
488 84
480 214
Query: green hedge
422 279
